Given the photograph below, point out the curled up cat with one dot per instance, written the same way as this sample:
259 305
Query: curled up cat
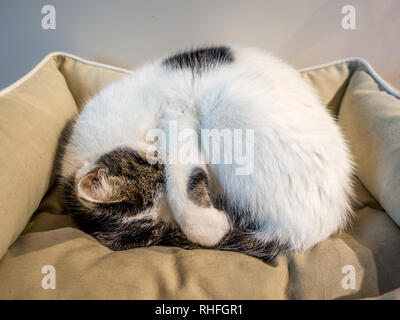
219 147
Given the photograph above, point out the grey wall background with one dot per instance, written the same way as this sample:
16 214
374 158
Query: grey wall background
128 33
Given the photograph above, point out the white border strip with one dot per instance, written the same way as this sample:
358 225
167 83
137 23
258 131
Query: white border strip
358 60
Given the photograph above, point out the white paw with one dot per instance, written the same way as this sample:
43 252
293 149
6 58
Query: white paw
206 226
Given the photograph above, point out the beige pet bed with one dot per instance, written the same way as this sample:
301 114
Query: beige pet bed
34 232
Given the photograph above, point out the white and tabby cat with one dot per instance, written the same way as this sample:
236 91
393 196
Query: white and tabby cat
299 190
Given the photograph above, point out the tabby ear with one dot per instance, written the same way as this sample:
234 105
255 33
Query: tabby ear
96 187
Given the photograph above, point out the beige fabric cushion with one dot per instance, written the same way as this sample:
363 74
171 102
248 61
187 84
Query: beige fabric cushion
32 116
370 118
331 83
87 270
85 79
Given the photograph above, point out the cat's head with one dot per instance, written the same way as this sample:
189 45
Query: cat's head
121 201
121 176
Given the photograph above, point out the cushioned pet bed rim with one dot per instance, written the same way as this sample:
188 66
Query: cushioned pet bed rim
360 62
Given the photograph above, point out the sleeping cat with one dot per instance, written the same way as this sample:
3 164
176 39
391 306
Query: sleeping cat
128 188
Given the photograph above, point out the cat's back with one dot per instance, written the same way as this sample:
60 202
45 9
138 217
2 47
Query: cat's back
299 186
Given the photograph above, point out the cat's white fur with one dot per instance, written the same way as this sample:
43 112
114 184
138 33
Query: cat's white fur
301 187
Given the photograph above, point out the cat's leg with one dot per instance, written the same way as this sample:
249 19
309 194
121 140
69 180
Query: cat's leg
187 186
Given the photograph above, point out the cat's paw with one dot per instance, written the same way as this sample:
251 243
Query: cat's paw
206 226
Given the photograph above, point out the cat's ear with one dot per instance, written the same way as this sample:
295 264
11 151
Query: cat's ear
97 187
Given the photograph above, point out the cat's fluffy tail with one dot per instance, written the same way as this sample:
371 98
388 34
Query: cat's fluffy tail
247 242
237 240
